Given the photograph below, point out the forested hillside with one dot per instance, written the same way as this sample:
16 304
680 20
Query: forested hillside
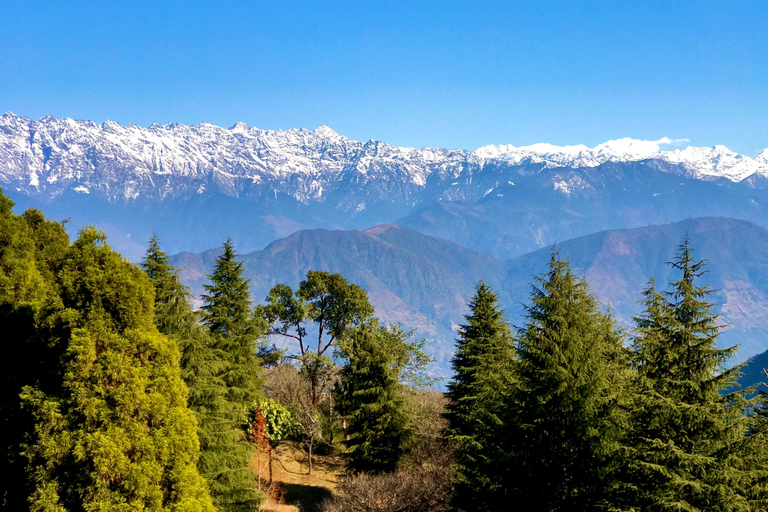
424 282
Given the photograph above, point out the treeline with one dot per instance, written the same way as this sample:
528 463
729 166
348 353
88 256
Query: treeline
569 412
116 395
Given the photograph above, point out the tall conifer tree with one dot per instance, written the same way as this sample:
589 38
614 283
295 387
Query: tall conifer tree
223 456
565 422
117 435
228 314
173 314
483 378
371 396
689 451
234 332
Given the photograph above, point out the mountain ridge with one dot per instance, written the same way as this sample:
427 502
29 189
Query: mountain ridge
52 155
424 282
193 185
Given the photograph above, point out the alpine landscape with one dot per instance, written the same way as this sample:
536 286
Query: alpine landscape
403 256
417 228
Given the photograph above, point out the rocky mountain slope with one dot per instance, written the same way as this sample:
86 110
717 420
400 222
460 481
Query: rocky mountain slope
48 156
424 283
195 184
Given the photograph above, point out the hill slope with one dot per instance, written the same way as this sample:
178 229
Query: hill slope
413 279
423 282
617 265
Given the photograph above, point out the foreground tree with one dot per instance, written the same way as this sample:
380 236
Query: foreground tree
566 419
268 423
483 379
118 435
369 395
224 457
692 449
31 249
173 314
230 363
228 315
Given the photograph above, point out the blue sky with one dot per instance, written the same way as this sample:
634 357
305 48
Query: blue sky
443 73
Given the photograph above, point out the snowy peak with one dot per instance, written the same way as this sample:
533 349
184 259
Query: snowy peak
697 162
50 156
579 155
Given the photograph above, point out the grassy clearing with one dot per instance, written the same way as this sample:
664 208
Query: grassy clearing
293 490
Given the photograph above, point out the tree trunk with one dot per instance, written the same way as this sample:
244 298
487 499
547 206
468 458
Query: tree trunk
269 455
310 458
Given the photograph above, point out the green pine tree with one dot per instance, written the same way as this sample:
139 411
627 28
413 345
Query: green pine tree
233 332
689 451
223 456
565 416
369 393
483 378
173 314
117 436
228 314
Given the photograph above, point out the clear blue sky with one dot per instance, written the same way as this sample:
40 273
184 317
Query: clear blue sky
442 73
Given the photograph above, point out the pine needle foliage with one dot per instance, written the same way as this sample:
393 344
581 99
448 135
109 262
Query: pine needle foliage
691 449
228 314
233 331
370 393
118 436
173 314
482 381
565 419
224 456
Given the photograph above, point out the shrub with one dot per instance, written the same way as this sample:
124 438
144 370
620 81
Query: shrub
428 488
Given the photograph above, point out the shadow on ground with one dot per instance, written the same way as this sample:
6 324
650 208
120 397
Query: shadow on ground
308 498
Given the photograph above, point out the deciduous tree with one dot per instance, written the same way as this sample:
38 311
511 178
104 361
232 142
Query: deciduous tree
325 305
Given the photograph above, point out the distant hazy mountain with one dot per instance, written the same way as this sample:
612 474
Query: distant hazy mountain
424 283
617 265
753 374
193 185
416 280
559 204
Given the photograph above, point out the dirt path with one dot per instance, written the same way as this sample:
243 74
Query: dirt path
293 489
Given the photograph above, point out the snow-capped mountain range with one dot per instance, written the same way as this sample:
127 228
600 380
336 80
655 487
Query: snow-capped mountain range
47 157
194 185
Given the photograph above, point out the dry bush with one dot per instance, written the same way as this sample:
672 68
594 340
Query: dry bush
427 488
426 444
290 388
